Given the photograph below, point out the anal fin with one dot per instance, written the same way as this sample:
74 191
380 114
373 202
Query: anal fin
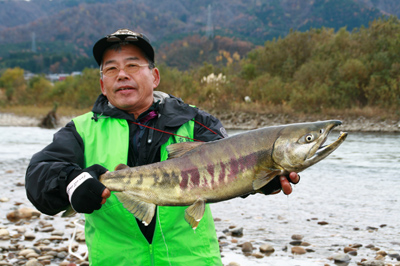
144 211
195 212
69 211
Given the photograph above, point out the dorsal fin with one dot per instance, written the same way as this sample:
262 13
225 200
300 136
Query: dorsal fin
121 166
178 149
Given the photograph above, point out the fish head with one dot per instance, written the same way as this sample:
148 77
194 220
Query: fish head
299 146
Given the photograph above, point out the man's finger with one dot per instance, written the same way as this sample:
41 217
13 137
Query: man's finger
105 195
286 187
294 177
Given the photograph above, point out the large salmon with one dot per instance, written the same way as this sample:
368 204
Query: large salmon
197 173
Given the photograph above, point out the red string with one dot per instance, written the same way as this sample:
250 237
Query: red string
205 127
165 131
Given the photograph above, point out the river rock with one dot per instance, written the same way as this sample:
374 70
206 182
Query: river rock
349 249
237 232
297 237
32 255
267 248
23 213
382 253
247 247
4 234
257 255
33 262
29 236
373 263
393 254
340 258
80 236
25 252
295 243
298 250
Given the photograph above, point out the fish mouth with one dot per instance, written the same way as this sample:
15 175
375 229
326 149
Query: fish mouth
324 150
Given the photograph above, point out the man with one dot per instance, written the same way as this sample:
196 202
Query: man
130 123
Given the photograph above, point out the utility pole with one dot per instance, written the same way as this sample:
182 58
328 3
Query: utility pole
33 42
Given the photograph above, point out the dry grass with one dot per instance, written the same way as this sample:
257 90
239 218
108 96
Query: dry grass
377 114
40 111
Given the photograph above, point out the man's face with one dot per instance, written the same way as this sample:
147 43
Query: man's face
132 93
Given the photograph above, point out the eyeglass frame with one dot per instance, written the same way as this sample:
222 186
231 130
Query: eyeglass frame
119 69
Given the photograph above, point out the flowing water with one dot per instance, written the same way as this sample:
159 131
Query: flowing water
353 196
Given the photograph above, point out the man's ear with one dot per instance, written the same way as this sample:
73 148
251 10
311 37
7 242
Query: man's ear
102 87
156 76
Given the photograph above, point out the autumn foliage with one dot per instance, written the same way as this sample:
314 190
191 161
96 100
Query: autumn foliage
305 71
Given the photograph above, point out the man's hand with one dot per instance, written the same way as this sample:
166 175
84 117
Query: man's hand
285 183
86 193
281 183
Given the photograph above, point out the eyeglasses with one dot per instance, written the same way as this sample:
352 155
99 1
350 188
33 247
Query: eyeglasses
113 71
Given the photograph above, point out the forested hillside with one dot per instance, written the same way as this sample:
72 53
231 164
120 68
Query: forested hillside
66 30
317 71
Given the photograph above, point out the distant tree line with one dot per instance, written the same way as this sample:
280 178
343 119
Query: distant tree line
306 71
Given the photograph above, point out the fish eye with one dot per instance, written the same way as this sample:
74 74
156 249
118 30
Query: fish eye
309 137
321 131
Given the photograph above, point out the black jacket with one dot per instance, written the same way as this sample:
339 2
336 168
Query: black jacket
48 171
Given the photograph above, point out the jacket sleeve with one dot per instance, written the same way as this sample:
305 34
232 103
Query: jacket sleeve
208 128
48 171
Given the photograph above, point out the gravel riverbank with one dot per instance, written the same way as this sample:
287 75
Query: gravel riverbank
247 121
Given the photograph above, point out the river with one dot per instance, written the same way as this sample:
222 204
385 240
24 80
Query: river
351 197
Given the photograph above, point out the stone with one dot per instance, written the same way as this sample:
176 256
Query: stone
4 199
373 263
258 255
237 232
266 248
393 254
295 243
298 250
80 236
4 233
23 213
25 252
297 237
349 249
29 236
32 255
340 258
382 253
247 247
33 262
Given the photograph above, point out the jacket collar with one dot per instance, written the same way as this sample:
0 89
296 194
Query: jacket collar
172 111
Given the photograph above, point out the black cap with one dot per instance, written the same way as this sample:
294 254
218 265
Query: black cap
123 35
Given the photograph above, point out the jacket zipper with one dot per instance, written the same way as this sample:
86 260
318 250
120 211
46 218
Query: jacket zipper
151 254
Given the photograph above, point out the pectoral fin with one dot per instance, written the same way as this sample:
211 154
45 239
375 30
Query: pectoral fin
195 212
264 177
144 211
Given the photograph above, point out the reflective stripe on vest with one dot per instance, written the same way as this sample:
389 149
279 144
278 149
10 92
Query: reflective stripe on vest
112 234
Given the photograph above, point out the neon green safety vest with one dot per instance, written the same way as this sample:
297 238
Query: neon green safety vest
112 234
